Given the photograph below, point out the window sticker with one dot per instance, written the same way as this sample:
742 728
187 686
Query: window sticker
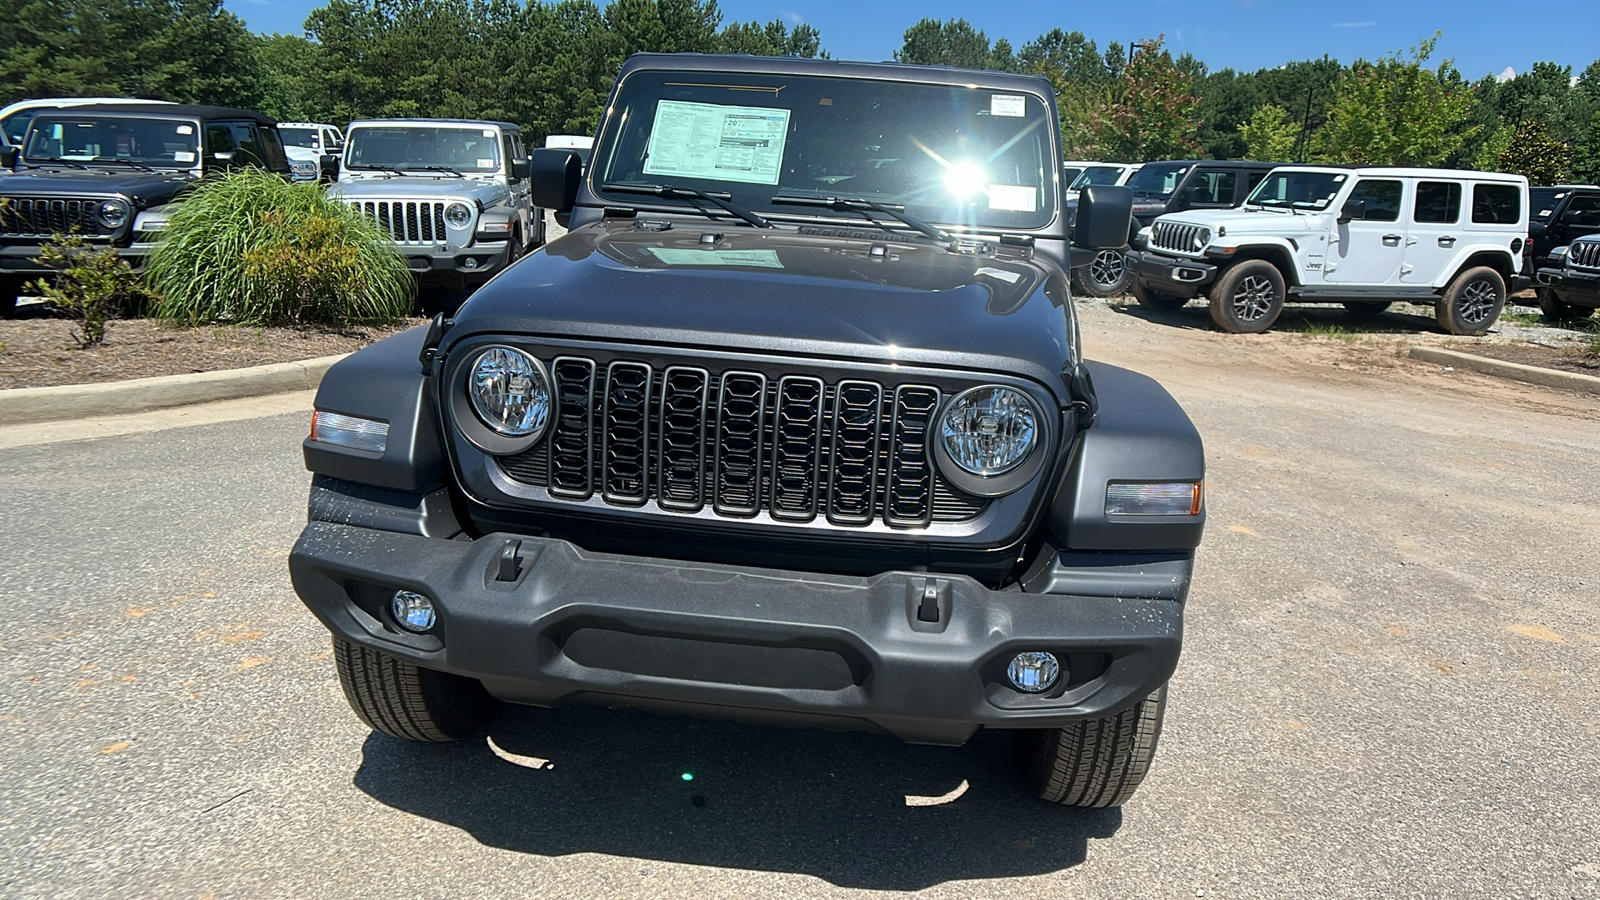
707 140
186 129
1014 197
677 256
488 132
1011 105
183 156
485 163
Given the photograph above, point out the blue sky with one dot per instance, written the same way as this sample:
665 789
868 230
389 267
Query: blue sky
1482 37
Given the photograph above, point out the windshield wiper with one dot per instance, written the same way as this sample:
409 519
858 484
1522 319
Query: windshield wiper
122 162
57 160
380 169
435 169
894 210
720 198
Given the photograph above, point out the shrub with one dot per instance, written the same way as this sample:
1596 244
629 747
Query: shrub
92 284
252 249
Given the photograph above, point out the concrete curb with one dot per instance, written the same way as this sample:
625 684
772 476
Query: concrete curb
71 401
1572 381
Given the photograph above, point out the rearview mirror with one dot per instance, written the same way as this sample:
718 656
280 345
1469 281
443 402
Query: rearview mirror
1105 214
1355 209
554 177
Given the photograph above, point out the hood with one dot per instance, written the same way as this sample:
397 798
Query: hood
818 292
1254 220
143 188
484 190
303 154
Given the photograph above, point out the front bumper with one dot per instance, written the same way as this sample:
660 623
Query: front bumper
1572 286
738 642
483 258
1175 275
22 258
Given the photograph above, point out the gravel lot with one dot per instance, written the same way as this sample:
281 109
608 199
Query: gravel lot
1390 683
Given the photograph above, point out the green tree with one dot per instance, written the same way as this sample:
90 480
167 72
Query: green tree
953 43
1269 136
290 85
1397 112
1586 153
771 39
1152 111
1543 159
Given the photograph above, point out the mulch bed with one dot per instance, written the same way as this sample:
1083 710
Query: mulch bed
39 352
1567 360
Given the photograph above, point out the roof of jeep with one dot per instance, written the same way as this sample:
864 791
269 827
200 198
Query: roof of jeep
1413 172
503 126
794 65
168 109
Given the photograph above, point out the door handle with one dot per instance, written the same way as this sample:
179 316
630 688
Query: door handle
1447 241
1391 240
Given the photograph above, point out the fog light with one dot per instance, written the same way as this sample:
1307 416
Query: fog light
470 262
1033 671
414 611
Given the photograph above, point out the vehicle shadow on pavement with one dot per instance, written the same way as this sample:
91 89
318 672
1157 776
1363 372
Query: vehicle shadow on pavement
1310 318
831 805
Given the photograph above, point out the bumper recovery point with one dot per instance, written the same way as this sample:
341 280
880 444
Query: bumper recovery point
918 655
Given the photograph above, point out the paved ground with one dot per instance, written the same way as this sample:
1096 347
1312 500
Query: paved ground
1389 687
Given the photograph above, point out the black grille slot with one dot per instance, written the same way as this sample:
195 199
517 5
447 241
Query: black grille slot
681 448
909 498
1173 236
744 443
627 432
797 448
42 217
741 419
853 474
414 222
1584 254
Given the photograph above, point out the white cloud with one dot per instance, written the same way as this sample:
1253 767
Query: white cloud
793 17
1506 75
1354 24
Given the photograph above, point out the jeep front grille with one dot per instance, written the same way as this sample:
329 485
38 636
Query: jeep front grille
1178 238
742 443
407 221
44 217
1584 255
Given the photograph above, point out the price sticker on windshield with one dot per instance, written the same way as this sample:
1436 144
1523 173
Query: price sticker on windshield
1013 106
708 140
1013 197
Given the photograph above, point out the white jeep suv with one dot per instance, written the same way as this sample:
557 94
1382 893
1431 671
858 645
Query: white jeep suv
1364 237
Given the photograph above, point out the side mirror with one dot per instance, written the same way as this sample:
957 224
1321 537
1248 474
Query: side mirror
520 169
328 168
1355 209
8 156
1537 229
555 175
1105 216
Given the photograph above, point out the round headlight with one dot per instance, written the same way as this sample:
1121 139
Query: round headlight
113 213
989 430
1202 238
509 392
458 215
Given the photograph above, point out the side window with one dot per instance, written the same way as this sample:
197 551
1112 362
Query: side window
1382 197
1212 187
1438 202
1255 179
219 139
248 140
272 142
1496 204
507 152
1583 210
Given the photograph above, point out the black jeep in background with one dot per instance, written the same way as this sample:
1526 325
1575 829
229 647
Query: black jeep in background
1176 185
793 426
1557 216
110 173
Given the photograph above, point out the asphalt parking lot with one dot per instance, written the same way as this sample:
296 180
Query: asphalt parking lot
1389 686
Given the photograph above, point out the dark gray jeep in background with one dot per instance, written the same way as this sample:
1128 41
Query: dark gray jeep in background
793 426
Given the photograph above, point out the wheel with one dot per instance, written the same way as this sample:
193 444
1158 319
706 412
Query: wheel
1365 311
1248 298
1150 298
405 701
1472 302
1096 762
517 248
1106 276
1552 306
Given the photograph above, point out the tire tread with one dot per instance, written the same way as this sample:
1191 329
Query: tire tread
409 702
1097 762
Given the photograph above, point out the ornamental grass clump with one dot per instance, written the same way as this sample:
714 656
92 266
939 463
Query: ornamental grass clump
252 249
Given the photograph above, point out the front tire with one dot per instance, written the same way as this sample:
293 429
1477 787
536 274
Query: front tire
1096 762
1472 302
1106 275
1248 298
1149 298
409 702
1552 306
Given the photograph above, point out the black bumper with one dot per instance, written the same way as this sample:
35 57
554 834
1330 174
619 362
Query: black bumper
22 258
736 642
1175 275
1574 287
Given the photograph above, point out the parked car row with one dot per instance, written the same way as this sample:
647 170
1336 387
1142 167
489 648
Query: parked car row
453 194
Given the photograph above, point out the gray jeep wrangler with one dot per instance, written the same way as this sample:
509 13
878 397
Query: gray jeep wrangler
793 426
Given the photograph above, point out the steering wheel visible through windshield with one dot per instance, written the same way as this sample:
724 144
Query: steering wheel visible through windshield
956 155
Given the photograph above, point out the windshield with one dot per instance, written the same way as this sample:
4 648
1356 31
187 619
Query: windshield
130 139
1157 179
1301 190
1543 202
402 147
15 126
955 155
300 137
1097 175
